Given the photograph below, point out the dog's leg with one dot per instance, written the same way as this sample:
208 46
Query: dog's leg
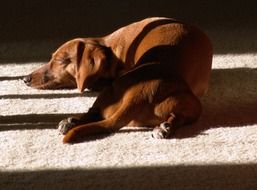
187 111
92 115
77 133
118 119
167 128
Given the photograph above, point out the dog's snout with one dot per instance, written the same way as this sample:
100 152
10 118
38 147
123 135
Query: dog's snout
27 79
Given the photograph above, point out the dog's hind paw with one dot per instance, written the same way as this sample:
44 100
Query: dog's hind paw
163 131
65 125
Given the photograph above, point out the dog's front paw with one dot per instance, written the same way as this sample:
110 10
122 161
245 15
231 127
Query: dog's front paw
163 131
65 125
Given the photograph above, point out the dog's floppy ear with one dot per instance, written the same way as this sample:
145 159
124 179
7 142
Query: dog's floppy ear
91 65
80 68
80 50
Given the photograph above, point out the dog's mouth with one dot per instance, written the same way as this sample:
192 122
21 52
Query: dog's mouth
38 81
42 83
48 83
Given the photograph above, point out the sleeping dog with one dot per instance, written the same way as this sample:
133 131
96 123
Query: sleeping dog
159 66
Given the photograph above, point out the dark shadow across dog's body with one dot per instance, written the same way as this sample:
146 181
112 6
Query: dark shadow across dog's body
145 96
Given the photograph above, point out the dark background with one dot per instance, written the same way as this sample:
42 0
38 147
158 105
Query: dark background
31 30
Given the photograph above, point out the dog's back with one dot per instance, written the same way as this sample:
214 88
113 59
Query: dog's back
188 51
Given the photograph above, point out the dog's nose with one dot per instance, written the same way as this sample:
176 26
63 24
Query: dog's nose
27 79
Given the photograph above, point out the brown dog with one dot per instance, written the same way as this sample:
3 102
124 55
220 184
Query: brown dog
161 67
145 96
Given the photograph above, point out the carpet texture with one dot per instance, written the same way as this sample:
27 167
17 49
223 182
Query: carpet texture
218 152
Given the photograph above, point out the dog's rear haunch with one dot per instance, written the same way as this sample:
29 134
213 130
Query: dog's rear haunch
155 69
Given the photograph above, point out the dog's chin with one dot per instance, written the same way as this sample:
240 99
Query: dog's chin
51 86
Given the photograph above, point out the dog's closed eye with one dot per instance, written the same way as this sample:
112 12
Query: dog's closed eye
66 61
63 60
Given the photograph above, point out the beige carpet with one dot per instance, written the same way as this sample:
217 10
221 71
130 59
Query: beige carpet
218 152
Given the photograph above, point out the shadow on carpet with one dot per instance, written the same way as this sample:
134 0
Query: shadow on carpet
227 177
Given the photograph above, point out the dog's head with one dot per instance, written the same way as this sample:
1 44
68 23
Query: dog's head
78 63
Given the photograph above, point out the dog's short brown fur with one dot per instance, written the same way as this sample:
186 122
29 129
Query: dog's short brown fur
160 67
